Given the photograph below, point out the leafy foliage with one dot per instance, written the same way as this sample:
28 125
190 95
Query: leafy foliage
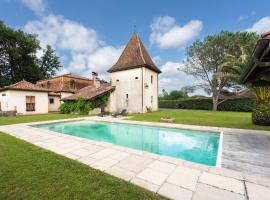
261 114
49 63
218 61
174 95
240 105
18 58
82 106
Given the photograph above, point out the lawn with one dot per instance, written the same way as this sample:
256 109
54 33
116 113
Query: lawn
29 172
34 118
206 118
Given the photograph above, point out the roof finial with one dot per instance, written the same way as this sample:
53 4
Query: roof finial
134 29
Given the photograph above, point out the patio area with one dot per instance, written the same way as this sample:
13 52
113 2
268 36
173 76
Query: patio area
170 177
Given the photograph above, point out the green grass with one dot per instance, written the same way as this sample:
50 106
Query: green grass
31 173
34 118
206 118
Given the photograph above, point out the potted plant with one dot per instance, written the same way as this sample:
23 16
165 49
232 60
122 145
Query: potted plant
261 112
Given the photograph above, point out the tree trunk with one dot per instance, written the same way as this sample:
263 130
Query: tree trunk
215 102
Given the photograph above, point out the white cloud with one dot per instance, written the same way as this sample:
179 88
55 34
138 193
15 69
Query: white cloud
38 6
165 33
173 79
87 52
261 26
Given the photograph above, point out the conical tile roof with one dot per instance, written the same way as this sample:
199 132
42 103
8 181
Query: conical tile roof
134 56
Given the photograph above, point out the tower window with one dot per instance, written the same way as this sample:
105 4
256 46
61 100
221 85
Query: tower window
136 77
151 79
126 96
117 80
152 99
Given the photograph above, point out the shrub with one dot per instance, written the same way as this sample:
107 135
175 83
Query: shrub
261 114
82 106
241 105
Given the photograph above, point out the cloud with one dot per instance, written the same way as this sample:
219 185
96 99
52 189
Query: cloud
86 51
165 33
261 26
38 6
173 79
244 17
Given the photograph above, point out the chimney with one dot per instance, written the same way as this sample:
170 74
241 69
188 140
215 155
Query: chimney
96 80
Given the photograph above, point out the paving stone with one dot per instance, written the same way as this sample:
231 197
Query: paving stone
72 156
134 163
104 164
227 172
120 173
103 153
257 179
175 192
257 192
81 152
162 166
119 155
93 148
145 184
207 192
196 166
184 177
87 160
223 182
153 176
175 161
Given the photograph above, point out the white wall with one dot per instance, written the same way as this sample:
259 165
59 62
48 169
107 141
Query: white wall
151 90
55 106
127 85
139 96
17 99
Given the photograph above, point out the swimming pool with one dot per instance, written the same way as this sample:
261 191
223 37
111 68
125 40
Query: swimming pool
196 146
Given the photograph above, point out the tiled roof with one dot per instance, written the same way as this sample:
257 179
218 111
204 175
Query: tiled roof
66 75
90 92
63 83
25 86
134 56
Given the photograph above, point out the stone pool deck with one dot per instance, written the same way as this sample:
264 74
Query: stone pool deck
167 176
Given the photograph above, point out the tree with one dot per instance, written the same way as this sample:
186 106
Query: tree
49 63
18 58
216 61
174 95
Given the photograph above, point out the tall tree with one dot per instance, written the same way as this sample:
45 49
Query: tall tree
49 63
212 61
18 58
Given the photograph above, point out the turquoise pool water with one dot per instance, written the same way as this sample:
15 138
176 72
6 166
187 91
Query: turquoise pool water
196 146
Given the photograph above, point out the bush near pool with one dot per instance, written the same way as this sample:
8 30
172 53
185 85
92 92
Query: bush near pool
240 104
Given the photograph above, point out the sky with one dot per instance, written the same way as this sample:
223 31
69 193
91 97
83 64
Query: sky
89 35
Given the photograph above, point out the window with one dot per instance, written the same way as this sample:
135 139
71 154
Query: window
117 80
151 79
72 84
126 96
3 94
51 100
152 99
30 103
136 77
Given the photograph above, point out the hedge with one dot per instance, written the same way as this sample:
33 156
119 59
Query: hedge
241 104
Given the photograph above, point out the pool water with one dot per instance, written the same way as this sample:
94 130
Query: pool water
195 146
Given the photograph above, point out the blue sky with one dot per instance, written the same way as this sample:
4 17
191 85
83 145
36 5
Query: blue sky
90 35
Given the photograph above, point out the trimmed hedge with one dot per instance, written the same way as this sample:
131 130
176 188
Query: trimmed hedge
240 105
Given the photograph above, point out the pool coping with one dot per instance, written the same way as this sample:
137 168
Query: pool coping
158 180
